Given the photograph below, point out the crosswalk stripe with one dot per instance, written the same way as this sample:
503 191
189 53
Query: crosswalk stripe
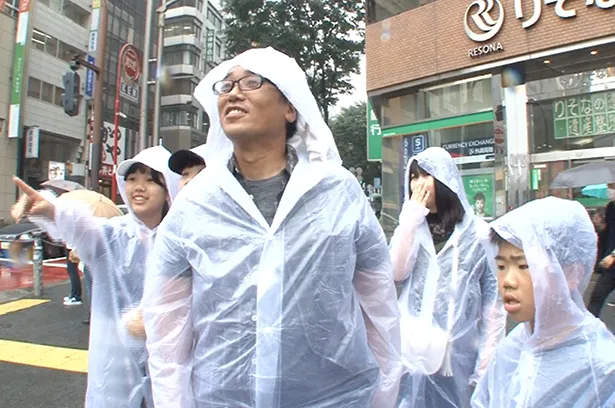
38 355
20 305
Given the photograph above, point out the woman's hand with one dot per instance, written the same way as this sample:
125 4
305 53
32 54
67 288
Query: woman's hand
607 261
420 193
33 203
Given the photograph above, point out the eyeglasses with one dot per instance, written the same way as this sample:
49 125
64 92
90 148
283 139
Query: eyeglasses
247 83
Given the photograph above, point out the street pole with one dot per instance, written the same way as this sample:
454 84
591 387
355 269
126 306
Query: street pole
143 128
116 119
98 97
37 265
156 122
161 16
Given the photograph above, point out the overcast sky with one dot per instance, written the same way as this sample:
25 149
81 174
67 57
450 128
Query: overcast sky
359 93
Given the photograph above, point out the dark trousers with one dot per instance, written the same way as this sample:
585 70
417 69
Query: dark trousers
75 282
602 290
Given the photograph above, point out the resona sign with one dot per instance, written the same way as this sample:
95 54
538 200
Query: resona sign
483 19
481 13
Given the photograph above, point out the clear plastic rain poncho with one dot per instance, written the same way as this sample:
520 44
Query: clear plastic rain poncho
115 251
450 319
301 313
569 358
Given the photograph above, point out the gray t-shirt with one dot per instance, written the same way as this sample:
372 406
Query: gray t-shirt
267 193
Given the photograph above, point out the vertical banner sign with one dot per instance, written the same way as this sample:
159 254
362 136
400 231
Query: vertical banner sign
374 135
21 40
32 142
92 47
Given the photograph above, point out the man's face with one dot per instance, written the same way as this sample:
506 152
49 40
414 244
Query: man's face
253 113
479 205
189 173
515 283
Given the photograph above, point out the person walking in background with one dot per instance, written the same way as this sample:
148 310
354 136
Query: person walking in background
605 284
74 299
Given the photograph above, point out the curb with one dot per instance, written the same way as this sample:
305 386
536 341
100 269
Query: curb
16 294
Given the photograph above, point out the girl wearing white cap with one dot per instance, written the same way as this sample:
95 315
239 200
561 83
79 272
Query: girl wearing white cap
115 250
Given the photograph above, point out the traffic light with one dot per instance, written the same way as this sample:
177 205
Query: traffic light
70 97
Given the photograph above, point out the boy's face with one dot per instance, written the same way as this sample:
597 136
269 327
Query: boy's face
515 283
189 173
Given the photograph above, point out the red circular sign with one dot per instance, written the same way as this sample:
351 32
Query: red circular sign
131 63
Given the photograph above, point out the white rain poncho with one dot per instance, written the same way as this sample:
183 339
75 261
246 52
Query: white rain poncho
301 313
450 320
569 358
115 251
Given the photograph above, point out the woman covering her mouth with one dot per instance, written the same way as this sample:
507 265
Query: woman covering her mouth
115 250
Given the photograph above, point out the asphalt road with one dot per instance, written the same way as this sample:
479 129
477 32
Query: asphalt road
58 379
60 331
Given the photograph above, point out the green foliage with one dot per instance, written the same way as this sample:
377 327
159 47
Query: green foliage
350 132
326 38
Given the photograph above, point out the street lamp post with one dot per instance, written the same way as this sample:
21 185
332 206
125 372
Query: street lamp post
160 11
135 69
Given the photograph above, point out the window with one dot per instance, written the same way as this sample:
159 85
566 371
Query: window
184 86
38 40
51 46
34 88
182 27
47 93
442 102
11 7
76 13
67 52
44 91
213 17
58 96
180 117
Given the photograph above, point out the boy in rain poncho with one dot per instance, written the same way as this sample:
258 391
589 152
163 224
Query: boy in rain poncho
559 355
449 316
188 163
271 286
115 251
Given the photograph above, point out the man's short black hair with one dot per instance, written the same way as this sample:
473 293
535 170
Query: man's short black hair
479 196
495 237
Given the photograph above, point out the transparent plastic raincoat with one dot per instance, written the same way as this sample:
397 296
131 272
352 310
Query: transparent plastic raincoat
450 318
569 358
301 313
115 251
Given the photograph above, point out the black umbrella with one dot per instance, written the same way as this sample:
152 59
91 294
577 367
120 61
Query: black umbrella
588 174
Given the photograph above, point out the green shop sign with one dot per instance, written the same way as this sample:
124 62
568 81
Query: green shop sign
374 135
585 115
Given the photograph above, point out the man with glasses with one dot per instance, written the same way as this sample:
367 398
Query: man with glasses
291 301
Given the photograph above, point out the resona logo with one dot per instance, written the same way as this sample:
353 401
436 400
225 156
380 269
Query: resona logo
481 16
